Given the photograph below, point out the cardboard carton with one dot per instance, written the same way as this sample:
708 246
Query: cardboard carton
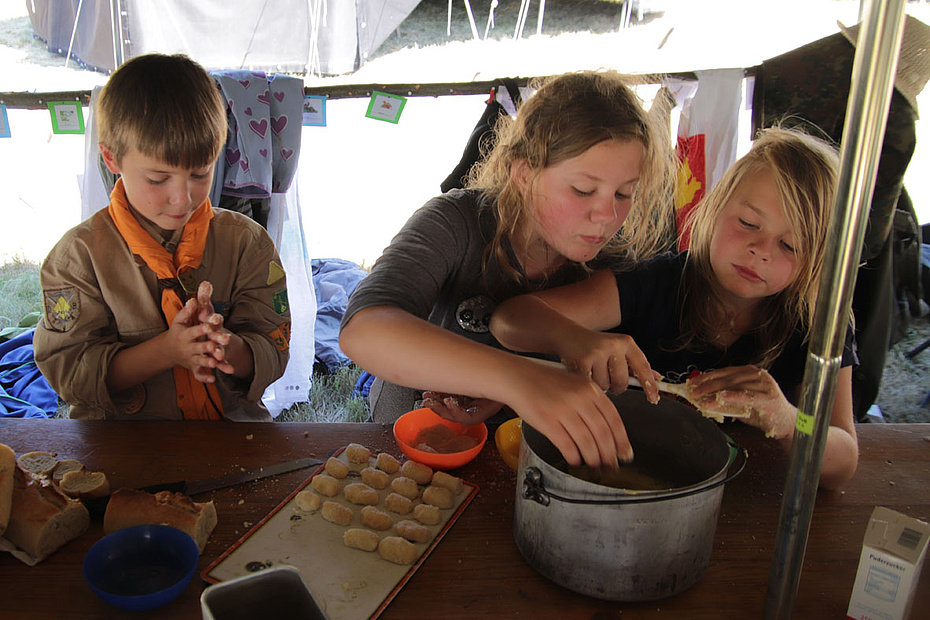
892 555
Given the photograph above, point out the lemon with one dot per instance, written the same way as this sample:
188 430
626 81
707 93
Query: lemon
508 438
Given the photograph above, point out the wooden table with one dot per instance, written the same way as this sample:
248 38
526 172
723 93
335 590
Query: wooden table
476 571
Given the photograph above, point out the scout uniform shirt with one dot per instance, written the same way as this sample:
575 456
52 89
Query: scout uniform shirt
100 298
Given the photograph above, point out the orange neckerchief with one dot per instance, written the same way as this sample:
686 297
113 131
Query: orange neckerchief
197 401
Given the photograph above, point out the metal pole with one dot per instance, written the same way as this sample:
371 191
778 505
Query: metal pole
77 17
116 21
874 67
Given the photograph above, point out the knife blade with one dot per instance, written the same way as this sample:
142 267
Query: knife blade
246 475
97 506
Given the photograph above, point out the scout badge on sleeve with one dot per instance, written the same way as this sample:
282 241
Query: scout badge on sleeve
280 302
275 272
62 309
281 336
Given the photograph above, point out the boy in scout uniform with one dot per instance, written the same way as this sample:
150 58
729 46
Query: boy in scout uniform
161 306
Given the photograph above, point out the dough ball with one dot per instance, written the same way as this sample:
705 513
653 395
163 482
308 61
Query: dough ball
423 474
357 453
398 504
376 519
427 513
308 501
387 463
325 485
334 512
375 478
361 494
447 481
412 531
438 496
397 550
336 468
358 538
405 486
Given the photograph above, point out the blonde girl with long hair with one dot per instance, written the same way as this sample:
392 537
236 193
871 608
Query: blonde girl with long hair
584 172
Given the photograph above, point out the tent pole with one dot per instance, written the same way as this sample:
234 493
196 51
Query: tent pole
77 16
116 23
874 68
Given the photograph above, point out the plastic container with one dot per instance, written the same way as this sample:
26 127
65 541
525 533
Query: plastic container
278 592
411 423
141 567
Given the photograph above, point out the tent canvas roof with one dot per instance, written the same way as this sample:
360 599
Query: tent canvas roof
293 36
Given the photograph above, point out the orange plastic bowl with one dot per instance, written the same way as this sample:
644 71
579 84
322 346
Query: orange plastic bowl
411 423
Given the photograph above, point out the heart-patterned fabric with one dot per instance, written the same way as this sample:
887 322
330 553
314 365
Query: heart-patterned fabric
263 140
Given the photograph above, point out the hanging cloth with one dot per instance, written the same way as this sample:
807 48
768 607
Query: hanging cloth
263 138
196 400
707 138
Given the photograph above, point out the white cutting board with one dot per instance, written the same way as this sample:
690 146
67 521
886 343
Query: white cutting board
347 583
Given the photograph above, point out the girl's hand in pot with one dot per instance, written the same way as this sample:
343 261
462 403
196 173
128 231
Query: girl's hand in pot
573 412
751 389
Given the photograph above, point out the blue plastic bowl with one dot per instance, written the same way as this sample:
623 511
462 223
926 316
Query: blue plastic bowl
141 567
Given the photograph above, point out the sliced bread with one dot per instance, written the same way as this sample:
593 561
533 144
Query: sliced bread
85 484
38 462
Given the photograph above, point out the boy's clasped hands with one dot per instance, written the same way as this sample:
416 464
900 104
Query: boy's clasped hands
199 337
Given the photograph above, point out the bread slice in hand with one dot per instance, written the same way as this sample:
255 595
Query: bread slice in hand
129 507
85 484
42 518
7 468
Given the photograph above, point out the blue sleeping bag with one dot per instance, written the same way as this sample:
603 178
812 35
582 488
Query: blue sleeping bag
24 392
334 281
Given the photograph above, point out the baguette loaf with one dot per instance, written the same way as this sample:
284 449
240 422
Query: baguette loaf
42 518
7 467
129 507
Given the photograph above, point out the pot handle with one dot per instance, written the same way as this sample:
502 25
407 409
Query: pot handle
534 488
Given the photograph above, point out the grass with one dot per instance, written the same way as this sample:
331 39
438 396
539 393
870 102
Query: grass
20 291
330 399
330 394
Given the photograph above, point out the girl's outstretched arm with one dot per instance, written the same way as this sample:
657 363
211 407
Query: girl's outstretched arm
570 410
752 387
566 322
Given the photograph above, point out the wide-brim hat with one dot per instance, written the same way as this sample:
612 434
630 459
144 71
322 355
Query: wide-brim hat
914 60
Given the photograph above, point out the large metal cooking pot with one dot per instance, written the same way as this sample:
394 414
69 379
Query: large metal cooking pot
620 544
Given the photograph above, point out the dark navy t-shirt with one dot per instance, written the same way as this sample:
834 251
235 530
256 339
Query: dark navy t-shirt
650 305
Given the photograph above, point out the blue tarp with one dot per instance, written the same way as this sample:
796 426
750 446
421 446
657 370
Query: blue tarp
334 280
24 392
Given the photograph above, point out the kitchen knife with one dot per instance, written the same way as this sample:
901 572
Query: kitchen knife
97 506
246 475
